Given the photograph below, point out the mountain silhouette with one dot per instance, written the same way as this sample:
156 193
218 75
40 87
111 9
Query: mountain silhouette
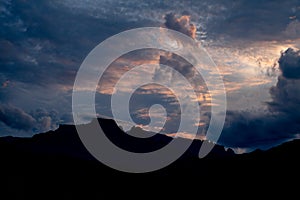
59 159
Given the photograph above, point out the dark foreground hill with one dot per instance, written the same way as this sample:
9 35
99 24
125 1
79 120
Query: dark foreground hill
58 161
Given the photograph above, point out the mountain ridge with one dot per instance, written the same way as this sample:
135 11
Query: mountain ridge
59 159
67 134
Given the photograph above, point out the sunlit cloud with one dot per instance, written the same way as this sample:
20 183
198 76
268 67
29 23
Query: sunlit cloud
182 24
187 135
200 124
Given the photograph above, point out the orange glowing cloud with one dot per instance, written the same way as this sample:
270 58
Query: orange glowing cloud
187 136
182 24
185 21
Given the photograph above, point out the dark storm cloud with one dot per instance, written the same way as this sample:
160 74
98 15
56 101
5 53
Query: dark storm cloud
16 118
181 24
289 64
244 129
286 93
253 130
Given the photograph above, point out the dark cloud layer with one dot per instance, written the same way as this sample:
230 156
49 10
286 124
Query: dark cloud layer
257 20
36 121
45 44
16 118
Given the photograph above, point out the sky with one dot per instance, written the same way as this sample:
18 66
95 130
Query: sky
255 44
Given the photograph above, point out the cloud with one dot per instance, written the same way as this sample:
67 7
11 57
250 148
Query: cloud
47 48
280 123
254 20
16 118
244 129
184 68
182 24
42 51
293 29
286 93
179 64
289 64
45 120
32 122
152 94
